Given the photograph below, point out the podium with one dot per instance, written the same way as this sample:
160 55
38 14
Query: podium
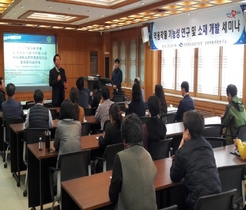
90 81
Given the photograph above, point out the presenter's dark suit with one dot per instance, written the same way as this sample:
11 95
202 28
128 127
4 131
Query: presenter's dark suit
186 104
58 94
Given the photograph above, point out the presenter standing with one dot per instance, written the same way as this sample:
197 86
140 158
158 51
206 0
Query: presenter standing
57 80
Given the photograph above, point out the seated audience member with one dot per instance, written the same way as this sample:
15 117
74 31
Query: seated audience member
12 109
155 129
234 115
84 93
103 108
134 172
2 92
137 81
194 161
112 133
137 105
68 131
186 104
96 97
159 93
38 116
73 96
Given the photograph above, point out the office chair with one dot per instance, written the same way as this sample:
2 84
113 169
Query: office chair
88 111
168 118
216 201
174 207
31 136
108 156
53 113
7 136
106 125
118 98
232 177
70 166
29 104
160 149
144 119
86 128
213 130
48 105
241 132
216 141
122 106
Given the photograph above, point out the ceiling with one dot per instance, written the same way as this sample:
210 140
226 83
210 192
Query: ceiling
101 15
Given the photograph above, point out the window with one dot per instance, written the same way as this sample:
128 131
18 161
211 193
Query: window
208 70
168 63
232 68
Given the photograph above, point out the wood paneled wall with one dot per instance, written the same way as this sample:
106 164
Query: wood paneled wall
74 48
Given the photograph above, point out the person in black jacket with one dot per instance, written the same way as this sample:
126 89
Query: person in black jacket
155 129
194 161
2 92
97 95
186 104
112 133
137 105
57 80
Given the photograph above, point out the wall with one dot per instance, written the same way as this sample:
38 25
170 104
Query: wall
74 48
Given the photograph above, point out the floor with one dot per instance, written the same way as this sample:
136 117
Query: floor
11 196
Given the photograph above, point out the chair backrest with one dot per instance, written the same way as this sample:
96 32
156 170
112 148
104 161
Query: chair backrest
160 149
106 124
144 119
86 128
168 118
88 111
48 105
110 152
241 132
122 106
32 135
174 207
118 98
7 122
74 165
216 141
29 104
216 201
235 172
213 130
53 113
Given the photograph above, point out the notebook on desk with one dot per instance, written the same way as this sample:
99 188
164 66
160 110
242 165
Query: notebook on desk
235 152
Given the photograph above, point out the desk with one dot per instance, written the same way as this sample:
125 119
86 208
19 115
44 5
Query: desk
38 164
16 133
91 119
23 103
38 174
91 192
89 142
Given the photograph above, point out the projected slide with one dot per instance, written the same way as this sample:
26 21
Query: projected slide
28 59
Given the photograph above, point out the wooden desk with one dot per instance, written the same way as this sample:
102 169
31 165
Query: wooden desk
89 142
91 119
16 133
91 192
39 162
